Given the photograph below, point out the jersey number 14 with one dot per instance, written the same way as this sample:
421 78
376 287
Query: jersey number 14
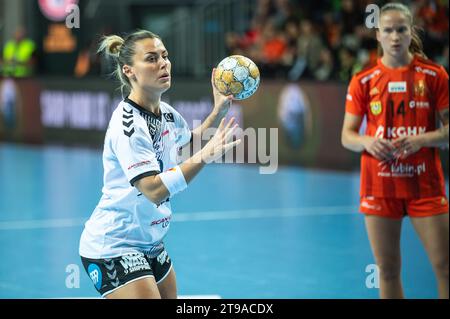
401 110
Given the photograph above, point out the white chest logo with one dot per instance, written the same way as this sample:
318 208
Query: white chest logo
397 87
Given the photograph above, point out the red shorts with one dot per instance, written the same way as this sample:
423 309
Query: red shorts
398 208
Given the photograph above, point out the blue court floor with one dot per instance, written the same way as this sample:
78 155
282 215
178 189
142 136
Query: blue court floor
235 233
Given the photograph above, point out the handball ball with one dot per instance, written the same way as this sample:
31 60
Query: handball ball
237 75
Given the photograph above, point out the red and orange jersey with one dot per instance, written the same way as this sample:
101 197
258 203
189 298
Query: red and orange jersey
399 102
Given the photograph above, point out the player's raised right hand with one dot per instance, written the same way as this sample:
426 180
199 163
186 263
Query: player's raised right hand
221 142
222 103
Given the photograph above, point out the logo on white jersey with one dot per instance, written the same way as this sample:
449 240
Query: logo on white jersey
394 132
169 117
397 87
163 221
127 122
136 165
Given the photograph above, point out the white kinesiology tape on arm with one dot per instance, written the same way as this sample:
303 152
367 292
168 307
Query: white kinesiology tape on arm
174 180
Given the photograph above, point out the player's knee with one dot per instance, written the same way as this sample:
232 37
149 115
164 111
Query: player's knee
441 266
389 270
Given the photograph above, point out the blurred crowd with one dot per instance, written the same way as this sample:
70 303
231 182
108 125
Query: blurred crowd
328 40
289 39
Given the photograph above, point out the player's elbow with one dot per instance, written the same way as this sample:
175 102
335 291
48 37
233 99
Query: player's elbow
347 142
344 140
156 196
153 189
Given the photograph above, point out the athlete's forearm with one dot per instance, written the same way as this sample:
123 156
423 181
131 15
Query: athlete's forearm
353 141
192 166
437 138
153 188
168 183
156 191
212 121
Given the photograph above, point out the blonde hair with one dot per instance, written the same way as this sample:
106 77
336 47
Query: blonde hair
122 51
416 46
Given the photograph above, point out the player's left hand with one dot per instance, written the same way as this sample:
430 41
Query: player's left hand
222 103
407 145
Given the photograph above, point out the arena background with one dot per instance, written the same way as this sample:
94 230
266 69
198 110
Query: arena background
51 142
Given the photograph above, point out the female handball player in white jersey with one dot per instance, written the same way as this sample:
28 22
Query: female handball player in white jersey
122 245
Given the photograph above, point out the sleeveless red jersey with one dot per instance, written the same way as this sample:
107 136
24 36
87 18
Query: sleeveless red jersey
399 102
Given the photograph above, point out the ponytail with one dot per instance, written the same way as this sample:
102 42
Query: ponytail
416 46
111 45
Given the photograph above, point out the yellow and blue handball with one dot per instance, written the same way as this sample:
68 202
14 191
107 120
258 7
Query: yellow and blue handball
237 75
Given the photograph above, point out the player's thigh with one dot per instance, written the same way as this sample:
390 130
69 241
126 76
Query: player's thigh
142 288
168 286
384 236
164 275
430 219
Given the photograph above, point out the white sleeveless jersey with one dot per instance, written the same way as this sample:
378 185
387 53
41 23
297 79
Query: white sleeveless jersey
137 144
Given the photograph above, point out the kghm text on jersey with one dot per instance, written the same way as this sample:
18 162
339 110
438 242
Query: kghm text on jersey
395 132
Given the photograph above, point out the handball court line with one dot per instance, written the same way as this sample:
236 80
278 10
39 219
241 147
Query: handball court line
196 216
